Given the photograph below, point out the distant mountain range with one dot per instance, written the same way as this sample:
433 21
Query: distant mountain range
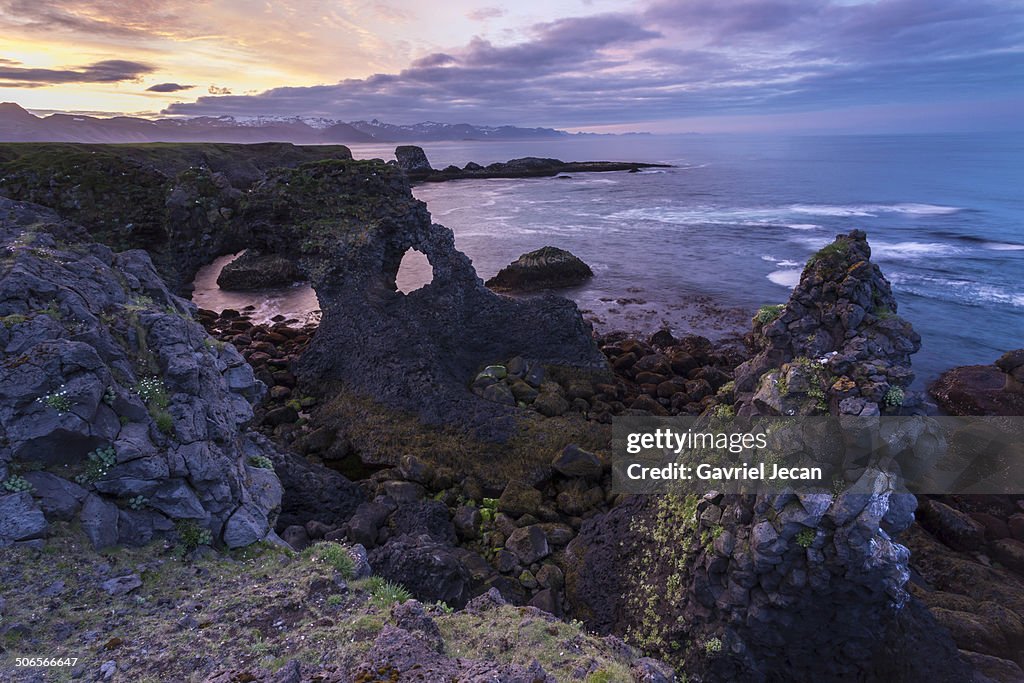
19 125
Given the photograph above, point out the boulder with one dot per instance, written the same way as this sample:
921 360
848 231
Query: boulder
529 544
430 569
545 268
253 270
519 499
573 461
20 518
996 389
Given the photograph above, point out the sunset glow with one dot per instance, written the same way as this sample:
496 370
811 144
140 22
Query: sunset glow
593 65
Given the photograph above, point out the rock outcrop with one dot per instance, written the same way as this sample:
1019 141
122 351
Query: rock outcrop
116 409
348 224
996 389
253 270
544 268
836 346
762 588
413 161
178 202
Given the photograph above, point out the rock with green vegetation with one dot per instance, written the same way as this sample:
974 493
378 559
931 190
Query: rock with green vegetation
676 572
180 202
145 410
545 268
519 498
842 318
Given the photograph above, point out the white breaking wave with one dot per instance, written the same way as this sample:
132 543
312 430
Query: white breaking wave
960 291
912 250
1003 246
869 210
788 278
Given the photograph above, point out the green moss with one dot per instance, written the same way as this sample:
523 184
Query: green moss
558 647
837 250
805 537
381 434
767 314
164 421
10 321
97 465
894 397
712 646
725 412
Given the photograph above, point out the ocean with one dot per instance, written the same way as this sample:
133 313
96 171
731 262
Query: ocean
700 246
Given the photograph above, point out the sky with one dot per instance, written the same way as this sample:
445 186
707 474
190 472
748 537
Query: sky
597 65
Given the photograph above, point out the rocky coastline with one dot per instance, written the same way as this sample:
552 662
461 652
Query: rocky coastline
413 161
453 442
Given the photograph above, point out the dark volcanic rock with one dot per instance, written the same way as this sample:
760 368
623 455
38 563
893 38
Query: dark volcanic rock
545 268
431 569
252 270
108 381
412 159
348 225
313 492
181 203
770 582
983 389
837 345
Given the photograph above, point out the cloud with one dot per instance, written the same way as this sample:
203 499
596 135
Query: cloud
485 13
672 60
106 71
217 90
436 59
112 18
168 87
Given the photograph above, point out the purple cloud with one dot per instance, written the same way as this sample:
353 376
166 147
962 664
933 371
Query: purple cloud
168 87
107 71
673 60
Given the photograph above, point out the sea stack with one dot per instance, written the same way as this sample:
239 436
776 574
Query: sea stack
545 268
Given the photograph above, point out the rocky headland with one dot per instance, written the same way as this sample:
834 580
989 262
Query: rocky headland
197 494
413 161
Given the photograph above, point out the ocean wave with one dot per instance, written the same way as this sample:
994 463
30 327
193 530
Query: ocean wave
1003 246
870 210
788 278
956 290
912 250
